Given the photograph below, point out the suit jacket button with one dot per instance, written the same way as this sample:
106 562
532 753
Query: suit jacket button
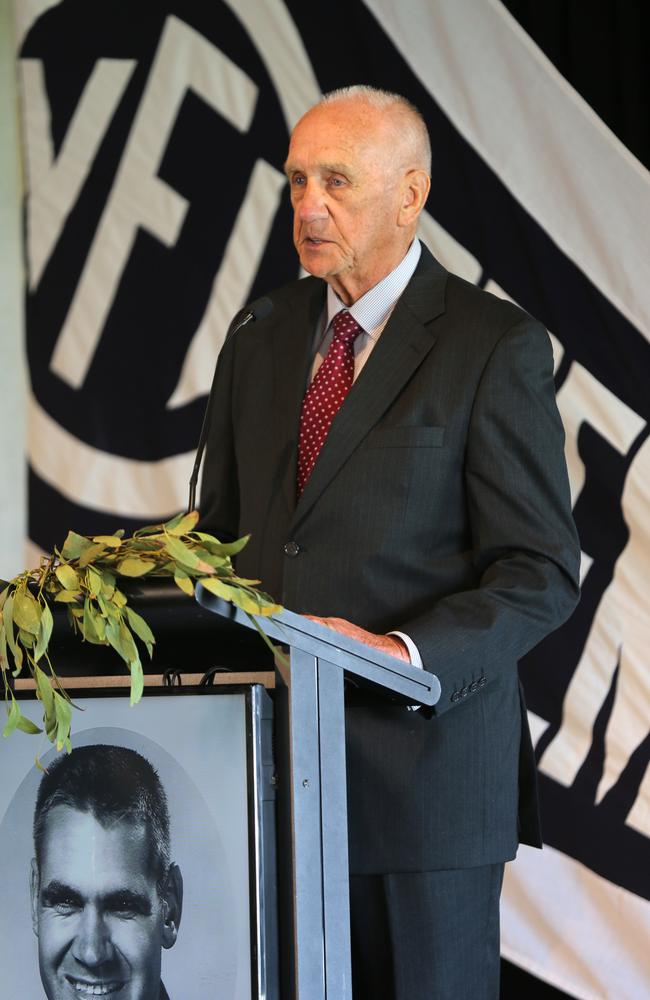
456 696
291 549
464 691
474 686
482 681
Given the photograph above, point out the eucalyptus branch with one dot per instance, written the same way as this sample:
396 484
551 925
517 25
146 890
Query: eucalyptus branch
84 575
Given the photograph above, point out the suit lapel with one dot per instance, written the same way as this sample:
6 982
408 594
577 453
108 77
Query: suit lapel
293 339
404 343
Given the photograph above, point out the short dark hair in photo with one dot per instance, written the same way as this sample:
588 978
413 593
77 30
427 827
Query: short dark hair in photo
113 784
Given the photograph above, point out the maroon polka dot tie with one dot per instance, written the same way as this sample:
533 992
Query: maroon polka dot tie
324 397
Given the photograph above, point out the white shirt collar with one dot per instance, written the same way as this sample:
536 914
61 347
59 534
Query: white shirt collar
372 309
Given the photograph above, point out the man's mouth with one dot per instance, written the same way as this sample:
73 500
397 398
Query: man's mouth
88 988
314 241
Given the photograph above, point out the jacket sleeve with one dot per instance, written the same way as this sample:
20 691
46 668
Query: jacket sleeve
219 503
524 541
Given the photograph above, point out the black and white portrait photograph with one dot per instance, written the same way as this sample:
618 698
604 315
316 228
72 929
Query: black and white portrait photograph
126 860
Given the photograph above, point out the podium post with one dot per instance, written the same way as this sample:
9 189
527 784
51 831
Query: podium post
314 773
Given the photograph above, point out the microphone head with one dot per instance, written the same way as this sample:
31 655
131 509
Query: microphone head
260 308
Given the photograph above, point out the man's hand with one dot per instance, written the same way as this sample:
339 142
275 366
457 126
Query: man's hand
384 643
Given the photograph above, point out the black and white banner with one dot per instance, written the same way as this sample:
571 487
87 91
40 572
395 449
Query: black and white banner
154 137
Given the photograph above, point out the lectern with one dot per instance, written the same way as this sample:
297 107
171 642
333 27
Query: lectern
310 729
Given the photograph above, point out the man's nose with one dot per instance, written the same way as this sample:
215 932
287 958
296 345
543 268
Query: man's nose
311 205
92 944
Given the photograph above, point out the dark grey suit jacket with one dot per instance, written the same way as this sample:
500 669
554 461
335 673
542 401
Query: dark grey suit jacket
439 506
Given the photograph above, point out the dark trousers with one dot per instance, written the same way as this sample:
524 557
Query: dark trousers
426 935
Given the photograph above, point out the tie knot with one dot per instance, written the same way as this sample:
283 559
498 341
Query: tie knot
345 326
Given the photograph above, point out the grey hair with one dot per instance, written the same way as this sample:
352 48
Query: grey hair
413 125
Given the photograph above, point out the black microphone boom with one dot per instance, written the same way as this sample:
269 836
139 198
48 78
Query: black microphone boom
259 309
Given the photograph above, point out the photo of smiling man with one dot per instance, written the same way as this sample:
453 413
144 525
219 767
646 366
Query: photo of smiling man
105 896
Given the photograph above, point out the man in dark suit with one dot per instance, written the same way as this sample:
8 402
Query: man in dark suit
434 506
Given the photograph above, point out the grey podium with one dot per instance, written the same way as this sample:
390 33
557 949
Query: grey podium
310 727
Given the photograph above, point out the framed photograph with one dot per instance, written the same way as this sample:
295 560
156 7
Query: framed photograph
142 865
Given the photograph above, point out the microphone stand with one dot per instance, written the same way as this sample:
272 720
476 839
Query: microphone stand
257 310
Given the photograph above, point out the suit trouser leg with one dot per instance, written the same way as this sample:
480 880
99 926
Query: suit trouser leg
426 935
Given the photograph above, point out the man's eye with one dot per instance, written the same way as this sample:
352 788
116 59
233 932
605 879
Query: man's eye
297 180
126 907
336 182
66 906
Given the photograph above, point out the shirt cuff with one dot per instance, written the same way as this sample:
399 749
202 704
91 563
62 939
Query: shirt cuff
413 651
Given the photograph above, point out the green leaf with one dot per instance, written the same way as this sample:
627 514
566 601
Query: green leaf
93 581
121 640
109 541
4 660
63 712
108 584
26 639
218 587
113 635
67 576
254 605
109 608
45 631
182 524
18 661
44 691
27 612
182 554
211 559
119 599
94 625
133 566
137 681
8 619
141 629
90 554
150 529
149 545
46 695
13 717
128 644
230 548
27 726
74 545
182 580
67 596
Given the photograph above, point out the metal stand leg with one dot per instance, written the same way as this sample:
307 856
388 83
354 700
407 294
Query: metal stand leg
336 875
319 828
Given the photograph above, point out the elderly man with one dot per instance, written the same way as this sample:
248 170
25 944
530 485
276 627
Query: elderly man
389 435
105 897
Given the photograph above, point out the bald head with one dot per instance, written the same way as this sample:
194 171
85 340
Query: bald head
412 144
358 170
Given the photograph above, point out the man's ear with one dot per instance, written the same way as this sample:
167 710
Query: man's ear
415 191
172 906
33 892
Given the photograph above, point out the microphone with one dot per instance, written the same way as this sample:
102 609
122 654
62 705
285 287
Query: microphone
259 309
